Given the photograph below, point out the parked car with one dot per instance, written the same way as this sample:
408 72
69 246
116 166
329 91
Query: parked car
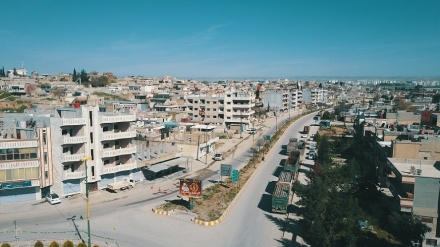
304 136
53 198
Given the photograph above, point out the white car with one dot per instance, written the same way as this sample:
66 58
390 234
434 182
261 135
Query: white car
304 136
53 198
218 156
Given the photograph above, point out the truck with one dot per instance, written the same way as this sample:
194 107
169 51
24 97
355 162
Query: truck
306 129
120 185
292 162
292 145
281 197
286 177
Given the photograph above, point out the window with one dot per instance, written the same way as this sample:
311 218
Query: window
91 118
91 137
65 150
116 126
44 138
64 132
106 145
117 158
106 162
105 128
116 143
91 153
93 171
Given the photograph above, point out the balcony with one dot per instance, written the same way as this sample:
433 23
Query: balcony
72 157
106 136
120 151
406 204
118 118
73 140
73 121
119 168
18 144
18 164
74 175
242 106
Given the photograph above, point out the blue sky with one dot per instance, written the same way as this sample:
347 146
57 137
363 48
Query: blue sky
222 38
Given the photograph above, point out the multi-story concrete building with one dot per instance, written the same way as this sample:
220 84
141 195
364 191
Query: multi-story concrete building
315 95
232 108
276 99
415 185
20 169
74 134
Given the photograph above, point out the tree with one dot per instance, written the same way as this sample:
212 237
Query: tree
407 228
82 244
68 243
100 81
75 76
401 104
54 244
5 245
15 71
38 244
326 116
30 89
84 77
58 92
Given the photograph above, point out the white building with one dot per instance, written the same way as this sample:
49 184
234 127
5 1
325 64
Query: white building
231 108
78 133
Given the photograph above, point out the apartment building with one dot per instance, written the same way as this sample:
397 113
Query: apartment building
415 185
276 99
232 108
20 169
73 134
315 95
295 99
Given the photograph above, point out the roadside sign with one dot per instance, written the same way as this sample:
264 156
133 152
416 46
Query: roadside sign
190 188
235 175
226 170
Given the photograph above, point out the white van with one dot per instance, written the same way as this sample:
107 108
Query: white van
218 156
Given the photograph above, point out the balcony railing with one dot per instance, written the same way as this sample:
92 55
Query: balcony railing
72 157
118 118
73 121
119 168
120 135
73 140
119 151
74 175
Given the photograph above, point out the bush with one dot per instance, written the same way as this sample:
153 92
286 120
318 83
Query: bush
5 245
68 243
54 244
38 244
82 244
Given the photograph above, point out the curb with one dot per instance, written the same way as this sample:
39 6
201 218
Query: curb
161 212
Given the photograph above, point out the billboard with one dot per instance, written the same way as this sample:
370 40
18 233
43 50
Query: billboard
190 188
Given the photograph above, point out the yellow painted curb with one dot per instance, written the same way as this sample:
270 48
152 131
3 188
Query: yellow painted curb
161 212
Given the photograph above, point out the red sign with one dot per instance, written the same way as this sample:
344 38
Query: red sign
201 112
190 188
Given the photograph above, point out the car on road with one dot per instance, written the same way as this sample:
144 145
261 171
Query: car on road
252 131
310 139
53 198
304 136
218 156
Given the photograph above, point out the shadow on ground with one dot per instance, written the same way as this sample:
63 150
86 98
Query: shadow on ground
291 228
277 171
179 202
270 187
265 203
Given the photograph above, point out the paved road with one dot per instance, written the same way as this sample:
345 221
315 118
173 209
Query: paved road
130 221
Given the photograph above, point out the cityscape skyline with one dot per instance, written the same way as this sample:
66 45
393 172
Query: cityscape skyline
286 39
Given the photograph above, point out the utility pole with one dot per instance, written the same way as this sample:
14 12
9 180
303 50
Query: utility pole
89 241
15 227
276 120
206 142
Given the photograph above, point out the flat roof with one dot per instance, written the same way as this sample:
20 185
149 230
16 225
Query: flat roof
428 167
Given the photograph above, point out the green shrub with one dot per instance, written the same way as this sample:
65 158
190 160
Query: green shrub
5 245
68 243
82 244
54 244
38 244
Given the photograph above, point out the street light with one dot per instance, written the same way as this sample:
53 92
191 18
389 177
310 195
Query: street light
206 142
89 241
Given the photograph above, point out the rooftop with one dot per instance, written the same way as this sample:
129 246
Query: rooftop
428 168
